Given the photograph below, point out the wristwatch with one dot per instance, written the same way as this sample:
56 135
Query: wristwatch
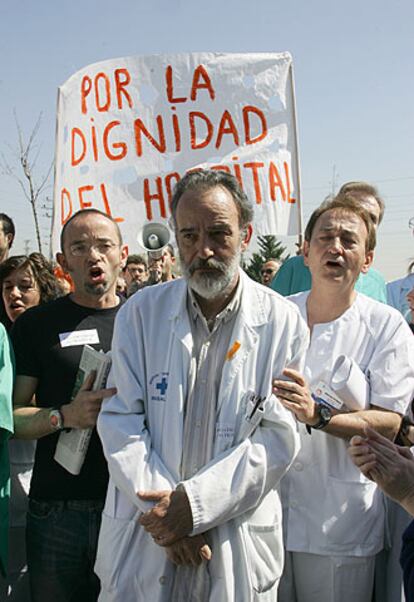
404 435
56 420
325 416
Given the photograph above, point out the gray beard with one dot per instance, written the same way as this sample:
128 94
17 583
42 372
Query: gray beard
211 286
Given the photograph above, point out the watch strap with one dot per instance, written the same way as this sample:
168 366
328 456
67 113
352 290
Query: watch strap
323 419
56 419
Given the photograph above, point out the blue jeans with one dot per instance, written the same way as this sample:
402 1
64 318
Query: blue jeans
62 538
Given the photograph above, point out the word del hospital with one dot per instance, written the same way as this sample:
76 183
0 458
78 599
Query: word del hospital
157 190
166 134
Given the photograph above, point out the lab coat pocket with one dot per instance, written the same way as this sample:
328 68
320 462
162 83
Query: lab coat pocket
354 519
264 555
115 538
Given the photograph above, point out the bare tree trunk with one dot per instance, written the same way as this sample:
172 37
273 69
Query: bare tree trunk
37 229
27 161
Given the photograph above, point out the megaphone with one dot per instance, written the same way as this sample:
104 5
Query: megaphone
154 237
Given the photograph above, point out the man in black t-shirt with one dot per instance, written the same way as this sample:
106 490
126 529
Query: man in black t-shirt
64 510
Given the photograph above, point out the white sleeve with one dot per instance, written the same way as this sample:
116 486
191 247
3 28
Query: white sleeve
391 369
239 478
133 464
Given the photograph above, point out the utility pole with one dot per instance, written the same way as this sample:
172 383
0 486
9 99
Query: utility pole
334 182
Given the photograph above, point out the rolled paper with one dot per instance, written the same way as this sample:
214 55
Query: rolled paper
350 383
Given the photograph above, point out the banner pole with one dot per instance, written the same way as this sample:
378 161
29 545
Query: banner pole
297 162
55 192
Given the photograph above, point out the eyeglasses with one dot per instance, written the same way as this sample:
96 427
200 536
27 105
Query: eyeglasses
81 249
268 271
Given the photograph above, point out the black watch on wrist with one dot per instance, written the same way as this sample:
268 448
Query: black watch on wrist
403 435
325 416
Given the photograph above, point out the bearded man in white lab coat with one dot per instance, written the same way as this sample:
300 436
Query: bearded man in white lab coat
334 515
195 441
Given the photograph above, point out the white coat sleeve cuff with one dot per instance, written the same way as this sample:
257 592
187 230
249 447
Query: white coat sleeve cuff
195 504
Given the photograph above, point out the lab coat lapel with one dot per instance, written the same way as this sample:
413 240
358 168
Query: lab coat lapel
250 318
180 320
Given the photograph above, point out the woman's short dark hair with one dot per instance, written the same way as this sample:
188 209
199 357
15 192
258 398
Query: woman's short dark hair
42 270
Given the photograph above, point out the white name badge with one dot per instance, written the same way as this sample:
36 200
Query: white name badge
322 393
79 337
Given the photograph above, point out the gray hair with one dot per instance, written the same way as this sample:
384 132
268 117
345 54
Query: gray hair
210 178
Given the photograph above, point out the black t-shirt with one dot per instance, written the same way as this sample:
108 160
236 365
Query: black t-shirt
39 353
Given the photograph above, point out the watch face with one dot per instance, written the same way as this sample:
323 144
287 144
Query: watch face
325 413
55 420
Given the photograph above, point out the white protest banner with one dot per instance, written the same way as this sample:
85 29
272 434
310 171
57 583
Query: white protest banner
129 128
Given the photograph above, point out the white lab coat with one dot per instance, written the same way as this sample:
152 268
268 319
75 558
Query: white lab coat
235 496
330 507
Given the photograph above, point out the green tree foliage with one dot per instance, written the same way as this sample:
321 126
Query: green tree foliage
269 248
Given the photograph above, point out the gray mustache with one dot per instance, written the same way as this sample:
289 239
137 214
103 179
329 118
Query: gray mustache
213 264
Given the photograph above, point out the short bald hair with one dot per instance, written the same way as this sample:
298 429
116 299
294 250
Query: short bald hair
82 212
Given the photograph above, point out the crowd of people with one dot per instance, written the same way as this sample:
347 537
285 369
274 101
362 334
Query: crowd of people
232 456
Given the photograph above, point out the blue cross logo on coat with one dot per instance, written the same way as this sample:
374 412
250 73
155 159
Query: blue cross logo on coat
159 386
162 385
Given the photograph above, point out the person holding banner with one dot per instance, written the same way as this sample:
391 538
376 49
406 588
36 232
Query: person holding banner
334 517
195 441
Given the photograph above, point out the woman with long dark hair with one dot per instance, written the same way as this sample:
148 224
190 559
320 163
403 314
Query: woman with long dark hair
25 281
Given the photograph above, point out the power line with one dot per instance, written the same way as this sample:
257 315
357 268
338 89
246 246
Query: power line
326 186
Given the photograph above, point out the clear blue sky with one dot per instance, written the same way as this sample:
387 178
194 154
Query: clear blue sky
353 68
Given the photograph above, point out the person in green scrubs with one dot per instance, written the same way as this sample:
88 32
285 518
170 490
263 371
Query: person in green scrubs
6 430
